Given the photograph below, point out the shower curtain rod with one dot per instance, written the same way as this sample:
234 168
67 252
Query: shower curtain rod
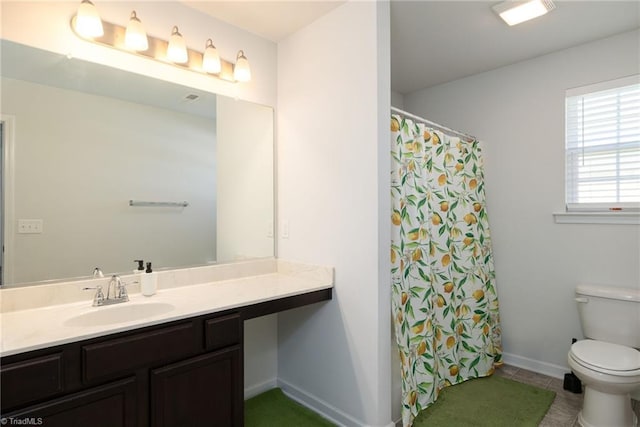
465 136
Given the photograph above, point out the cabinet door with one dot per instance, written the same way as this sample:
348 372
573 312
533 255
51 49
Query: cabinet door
110 405
202 391
30 380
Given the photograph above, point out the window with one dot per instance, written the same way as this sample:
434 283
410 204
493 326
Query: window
603 147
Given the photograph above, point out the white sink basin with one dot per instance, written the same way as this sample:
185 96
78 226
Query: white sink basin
124 312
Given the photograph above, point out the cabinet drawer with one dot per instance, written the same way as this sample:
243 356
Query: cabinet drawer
124 355
110 405
31 379
222 331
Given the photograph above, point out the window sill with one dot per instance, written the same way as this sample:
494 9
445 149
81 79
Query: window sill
624 218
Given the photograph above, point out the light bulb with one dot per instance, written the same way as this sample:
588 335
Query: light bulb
135 37
241 71
211 59
177 49
87 22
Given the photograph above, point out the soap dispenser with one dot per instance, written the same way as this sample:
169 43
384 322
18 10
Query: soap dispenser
149 282
138 272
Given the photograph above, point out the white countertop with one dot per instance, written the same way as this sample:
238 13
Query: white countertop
41 327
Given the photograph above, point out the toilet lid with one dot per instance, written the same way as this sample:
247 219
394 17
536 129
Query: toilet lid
606 355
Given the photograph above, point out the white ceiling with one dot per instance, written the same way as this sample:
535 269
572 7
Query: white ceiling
273 20
433 42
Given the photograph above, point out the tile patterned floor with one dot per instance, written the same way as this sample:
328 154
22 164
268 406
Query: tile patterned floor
566 405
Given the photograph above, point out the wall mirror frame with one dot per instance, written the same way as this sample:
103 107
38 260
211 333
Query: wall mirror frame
80 140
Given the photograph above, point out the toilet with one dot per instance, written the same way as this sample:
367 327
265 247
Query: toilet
608 360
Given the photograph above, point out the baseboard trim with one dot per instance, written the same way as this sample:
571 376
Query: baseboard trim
544 368
256 389
323 408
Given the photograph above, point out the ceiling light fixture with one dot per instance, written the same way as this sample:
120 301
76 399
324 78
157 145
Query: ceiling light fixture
134 40
135 37
87 20
515 12
211 59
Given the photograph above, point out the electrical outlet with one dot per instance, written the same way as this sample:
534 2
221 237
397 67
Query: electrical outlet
285 229
29 226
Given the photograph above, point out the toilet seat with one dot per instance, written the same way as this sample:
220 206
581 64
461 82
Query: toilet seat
607 358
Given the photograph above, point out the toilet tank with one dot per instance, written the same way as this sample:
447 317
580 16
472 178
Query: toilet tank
610 314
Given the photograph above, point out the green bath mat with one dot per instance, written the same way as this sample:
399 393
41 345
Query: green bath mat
274 409
487 402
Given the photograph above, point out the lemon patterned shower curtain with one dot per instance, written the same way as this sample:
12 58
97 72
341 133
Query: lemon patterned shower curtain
444 300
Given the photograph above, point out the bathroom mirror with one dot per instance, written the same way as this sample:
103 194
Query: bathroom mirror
102 167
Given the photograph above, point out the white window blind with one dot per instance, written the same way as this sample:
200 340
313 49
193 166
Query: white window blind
603 146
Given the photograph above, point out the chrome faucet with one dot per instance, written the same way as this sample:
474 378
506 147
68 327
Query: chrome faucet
119 292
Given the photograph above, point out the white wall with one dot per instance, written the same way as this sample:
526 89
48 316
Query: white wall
244 180
46 25
518 111
80 158
260 354
397 100
333 189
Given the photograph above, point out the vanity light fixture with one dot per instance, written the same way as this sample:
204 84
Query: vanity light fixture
242 72
135 37
177 49
87 22
211 59
516 12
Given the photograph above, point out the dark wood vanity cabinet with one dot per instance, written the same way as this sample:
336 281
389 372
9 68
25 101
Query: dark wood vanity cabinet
185 373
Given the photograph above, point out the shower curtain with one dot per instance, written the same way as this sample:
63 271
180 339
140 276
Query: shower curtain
444 300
